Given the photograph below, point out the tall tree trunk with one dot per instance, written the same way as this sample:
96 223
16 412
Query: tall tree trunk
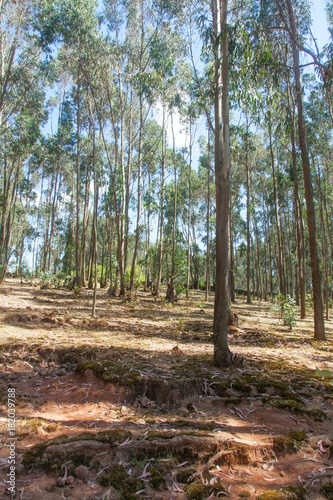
231 262
222 355
189 217
319 326
276 208
6 254
128 179
57 186
207 223
85 223
77 239
147 272
161 242
137 233
248 240
93 312
170 294
298 218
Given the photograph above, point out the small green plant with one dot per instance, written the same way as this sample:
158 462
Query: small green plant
325 374
277 305
289 311
286 308
49 280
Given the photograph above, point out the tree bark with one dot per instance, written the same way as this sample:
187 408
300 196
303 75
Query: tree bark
207 224
222 355
77 242
319 326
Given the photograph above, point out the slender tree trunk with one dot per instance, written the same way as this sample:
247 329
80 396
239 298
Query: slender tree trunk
57 185
189 217
276 210
319 326
231 262
170 295
222 355
6 254
207 223
95 221
161 242
270 262
78 137
298 218
147 273
137 235
324 241
85 223
248 240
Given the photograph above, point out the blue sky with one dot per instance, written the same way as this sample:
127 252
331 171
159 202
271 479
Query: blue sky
319 27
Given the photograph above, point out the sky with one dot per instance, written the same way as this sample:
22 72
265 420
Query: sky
319 27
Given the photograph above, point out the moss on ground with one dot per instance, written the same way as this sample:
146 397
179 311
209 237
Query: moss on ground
116 476
156 434
195 424
289 493
295 406
244 494
33 458
199 491
33 424
184 476
327 490
157 481
112 371
290 442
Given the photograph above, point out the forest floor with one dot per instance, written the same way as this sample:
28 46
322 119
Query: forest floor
129 405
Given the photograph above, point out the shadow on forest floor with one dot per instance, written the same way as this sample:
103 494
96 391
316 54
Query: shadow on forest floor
136 386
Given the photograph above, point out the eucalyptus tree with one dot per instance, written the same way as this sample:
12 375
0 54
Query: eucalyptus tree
289 18
206 203
319 127
167 61
21 114
73 26
222 355
151 153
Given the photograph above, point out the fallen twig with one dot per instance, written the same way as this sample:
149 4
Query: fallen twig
210 462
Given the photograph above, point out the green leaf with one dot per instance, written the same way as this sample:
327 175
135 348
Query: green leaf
324 373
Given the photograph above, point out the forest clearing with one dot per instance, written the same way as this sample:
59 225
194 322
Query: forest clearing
129 404
166 249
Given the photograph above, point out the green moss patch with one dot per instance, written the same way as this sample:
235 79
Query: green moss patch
290 442
33 458
327 490
199 491
195 424
157 481
156 434
116 476
184 476
112 371
296 407
33 424
289 493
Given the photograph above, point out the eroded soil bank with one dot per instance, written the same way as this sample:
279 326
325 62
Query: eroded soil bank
129 405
